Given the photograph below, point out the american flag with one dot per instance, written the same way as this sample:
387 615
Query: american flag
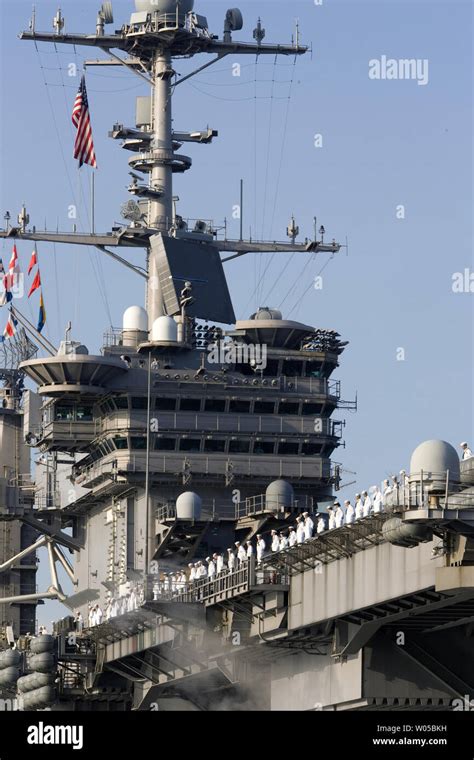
84 145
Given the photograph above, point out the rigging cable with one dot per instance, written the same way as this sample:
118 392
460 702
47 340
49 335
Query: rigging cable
310 259
298 302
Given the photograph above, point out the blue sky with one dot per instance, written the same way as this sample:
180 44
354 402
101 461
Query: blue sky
385 143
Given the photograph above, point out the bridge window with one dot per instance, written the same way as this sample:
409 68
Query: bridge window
288 447
313 369
308 409
214 405
121 443
165 404
264 407
139 402
121 402
292 368
239 406
239 447
64 413
263 447
311 449
165 444
138 442
190 405
84 414
212 445
286 407
190 444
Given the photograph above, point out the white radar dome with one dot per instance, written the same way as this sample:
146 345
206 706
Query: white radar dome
164 329
188 506
135 318
437 463
279 494
164 6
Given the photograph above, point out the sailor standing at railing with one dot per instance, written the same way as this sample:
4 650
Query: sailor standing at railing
241 553
249 549
219 559
283 542
321 524
192 572
230 560
332 518
299 529
211 568
275 541
201 571
359 507
261 546
466 451
308 526
378 500
292 540
367 504
350 512
338 514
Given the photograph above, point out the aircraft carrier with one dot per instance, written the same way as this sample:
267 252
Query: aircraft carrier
192 433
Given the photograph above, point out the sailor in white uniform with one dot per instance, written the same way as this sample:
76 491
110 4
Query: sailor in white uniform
466 451
359 507
283 541
299 530
241 553
350 512
219 563
230 560
378 500
338 514
332 518
192 572
292 540
321 524
261 546
249 549
275 541
308 526
211 568
367 504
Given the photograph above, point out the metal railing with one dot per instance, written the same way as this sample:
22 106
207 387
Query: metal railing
422 490
216 509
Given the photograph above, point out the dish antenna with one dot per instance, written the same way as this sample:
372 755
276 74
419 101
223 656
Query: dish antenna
233 22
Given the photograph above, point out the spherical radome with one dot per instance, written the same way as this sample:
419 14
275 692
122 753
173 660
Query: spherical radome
268 313
164 6
435 457
279 494
188 506
135 318
164 329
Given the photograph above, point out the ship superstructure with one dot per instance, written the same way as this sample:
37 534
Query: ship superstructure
192 433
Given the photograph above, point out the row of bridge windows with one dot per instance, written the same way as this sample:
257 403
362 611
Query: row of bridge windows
219 405
218 445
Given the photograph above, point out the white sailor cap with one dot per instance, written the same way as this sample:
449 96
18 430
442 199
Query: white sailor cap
463 444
